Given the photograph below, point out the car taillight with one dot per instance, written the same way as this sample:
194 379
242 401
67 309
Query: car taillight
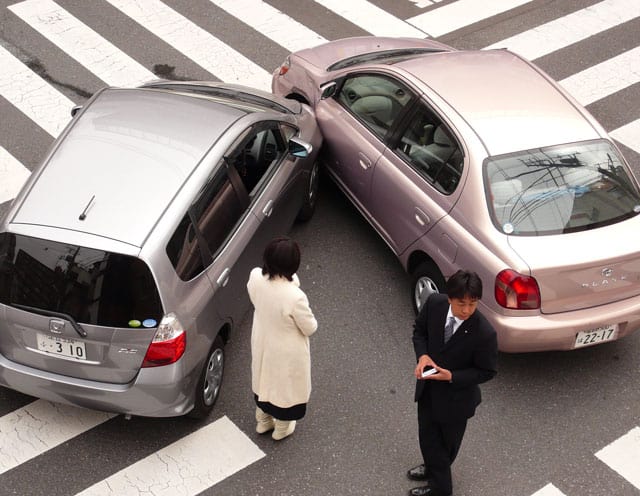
513 290
168 344
284 67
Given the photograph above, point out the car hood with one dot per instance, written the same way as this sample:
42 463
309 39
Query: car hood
585 269
324 55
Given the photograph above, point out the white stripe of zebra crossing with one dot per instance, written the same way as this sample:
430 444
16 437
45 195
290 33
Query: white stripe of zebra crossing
571 28
273 23
40 426
194 42
459 14
549 490
606 78
186 467
32 95
623 456
371 18
13 175
82 43
628 135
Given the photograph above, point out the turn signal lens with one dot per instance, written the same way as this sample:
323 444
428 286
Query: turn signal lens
284 68
513 290
168 344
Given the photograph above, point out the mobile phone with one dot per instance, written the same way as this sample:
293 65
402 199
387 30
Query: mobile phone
428 371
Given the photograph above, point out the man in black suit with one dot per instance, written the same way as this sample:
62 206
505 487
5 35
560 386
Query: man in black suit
460 345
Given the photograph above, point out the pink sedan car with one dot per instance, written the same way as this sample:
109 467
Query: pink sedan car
479 160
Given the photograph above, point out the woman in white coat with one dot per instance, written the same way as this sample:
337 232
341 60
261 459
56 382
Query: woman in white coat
282 324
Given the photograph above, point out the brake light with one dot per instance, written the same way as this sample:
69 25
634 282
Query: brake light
284 68
513 290
168 344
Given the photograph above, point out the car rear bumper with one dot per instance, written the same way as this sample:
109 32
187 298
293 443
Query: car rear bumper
155 392
522 334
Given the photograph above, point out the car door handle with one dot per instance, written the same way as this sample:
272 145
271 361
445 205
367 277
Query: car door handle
421 218
224 278
268 208
364 161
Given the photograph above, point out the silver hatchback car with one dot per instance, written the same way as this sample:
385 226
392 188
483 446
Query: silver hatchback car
124 259
479 160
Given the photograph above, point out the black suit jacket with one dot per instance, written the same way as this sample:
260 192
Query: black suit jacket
471 355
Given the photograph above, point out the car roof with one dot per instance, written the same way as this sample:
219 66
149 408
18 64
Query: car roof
508 102
123 160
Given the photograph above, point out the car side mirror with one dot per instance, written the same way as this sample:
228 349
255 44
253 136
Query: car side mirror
75 110
328 90
299 148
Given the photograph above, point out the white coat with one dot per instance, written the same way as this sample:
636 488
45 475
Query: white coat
282 324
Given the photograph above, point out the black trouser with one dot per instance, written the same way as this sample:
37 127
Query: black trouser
439 444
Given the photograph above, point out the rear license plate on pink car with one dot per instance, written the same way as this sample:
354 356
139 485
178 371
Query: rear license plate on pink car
594 336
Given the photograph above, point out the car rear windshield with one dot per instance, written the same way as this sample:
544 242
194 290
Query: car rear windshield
91 286
560 189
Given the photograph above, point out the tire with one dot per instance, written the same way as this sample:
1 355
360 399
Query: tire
210 381
426 279
310 194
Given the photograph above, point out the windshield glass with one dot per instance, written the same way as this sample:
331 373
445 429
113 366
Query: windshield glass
91 286
560 189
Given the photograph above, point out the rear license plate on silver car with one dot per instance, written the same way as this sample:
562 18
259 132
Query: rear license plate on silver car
55 345
598 335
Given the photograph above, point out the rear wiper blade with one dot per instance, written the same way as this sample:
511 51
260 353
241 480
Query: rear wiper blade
51 313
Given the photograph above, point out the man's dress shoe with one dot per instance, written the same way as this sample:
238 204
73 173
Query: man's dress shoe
425 491
418 473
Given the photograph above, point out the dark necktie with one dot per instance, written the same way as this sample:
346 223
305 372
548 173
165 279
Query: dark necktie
448 328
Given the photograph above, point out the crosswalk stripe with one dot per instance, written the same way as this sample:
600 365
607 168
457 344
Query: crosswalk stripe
83 44
372 18
623 456
40 426
628 135
606 78
549 490
577 26
13 175
32 95
273 23
186 467
199 45
460 14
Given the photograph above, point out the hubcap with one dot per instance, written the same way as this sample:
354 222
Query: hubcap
424 287
213 377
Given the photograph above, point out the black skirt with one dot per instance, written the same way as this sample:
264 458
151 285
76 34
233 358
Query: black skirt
295 412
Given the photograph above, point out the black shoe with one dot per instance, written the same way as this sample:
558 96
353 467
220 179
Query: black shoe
418 473
425 491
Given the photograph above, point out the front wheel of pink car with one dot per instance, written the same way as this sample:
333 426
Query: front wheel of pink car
427 279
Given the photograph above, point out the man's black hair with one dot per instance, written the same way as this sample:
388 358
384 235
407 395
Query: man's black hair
464 283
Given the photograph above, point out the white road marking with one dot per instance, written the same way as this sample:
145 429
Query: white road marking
623 456
372 18
40 426
628 135
194 42
273 23
32 95
571 28
549 490
459 14
83 44
13 175
606 78
186 467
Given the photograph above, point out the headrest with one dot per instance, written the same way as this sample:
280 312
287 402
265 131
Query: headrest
440 137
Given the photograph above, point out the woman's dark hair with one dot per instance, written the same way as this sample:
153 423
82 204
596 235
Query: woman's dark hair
281 258
464 283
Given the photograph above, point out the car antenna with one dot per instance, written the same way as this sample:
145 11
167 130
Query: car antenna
83 215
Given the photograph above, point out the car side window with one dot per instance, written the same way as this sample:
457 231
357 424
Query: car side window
377 101
208 223
430 148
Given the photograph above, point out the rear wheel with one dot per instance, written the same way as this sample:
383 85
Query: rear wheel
427 279
210 381
311 194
